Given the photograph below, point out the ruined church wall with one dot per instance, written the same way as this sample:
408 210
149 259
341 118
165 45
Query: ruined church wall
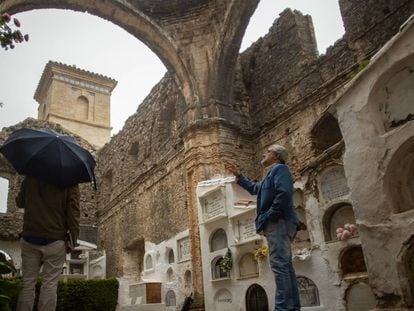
289 86
142 187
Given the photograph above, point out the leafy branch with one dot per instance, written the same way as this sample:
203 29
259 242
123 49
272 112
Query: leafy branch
9 34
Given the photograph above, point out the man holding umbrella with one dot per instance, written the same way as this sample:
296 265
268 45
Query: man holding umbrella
53 164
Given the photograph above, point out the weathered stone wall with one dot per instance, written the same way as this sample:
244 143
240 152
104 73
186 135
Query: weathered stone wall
142 190
288 86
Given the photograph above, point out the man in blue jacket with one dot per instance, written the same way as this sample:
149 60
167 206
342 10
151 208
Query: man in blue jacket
277 220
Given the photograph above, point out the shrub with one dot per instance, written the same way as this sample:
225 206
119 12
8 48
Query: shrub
77 294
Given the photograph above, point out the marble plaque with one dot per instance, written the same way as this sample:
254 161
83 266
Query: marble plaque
333 183
213 204
184 252
245 228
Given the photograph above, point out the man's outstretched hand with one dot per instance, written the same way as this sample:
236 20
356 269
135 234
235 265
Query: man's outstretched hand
234 169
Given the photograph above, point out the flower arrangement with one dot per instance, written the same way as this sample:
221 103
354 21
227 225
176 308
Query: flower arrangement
262 252
226 263
9 36
348 231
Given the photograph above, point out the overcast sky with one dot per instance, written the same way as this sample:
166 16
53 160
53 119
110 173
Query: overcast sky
97 45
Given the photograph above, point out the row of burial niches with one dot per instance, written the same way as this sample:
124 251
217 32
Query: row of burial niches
226 216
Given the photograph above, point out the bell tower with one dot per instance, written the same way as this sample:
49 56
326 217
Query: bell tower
77 99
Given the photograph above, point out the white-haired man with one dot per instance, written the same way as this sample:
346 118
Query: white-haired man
277 219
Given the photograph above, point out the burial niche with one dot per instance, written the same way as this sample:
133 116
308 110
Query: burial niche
308 292
170 275
187 278
171 258
148 262
325 133
406 271
336 217
256 298
248 266
394 94
218 240
352 262
359 297
399 181
216 271
170 300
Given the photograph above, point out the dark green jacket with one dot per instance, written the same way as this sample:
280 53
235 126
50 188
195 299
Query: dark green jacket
49 211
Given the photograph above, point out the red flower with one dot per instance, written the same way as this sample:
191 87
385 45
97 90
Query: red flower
16 22
19 36
6 17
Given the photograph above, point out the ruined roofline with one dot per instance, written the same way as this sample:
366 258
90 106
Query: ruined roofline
381 53
53 66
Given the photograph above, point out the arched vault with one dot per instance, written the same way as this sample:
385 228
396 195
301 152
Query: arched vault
198 40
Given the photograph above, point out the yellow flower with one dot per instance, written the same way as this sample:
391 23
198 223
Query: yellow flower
261 252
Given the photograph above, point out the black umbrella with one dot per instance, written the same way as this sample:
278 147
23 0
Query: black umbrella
49 156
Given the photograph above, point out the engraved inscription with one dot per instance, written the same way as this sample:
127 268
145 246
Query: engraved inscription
333 183
184 249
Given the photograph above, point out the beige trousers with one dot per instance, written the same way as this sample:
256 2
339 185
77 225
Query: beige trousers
52 257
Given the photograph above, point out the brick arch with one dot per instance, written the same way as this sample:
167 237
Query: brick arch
129 18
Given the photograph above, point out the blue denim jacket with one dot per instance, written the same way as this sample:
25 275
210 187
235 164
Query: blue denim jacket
274 196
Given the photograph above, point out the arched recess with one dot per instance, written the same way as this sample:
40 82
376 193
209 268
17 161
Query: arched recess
398 180
256 298
218 240
405 266
393 94
170 256
148 262
248 266
130 18
216 271
360 297
170 275
337 216
308 292
82 108
170 300
352 262
325 133
187 279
